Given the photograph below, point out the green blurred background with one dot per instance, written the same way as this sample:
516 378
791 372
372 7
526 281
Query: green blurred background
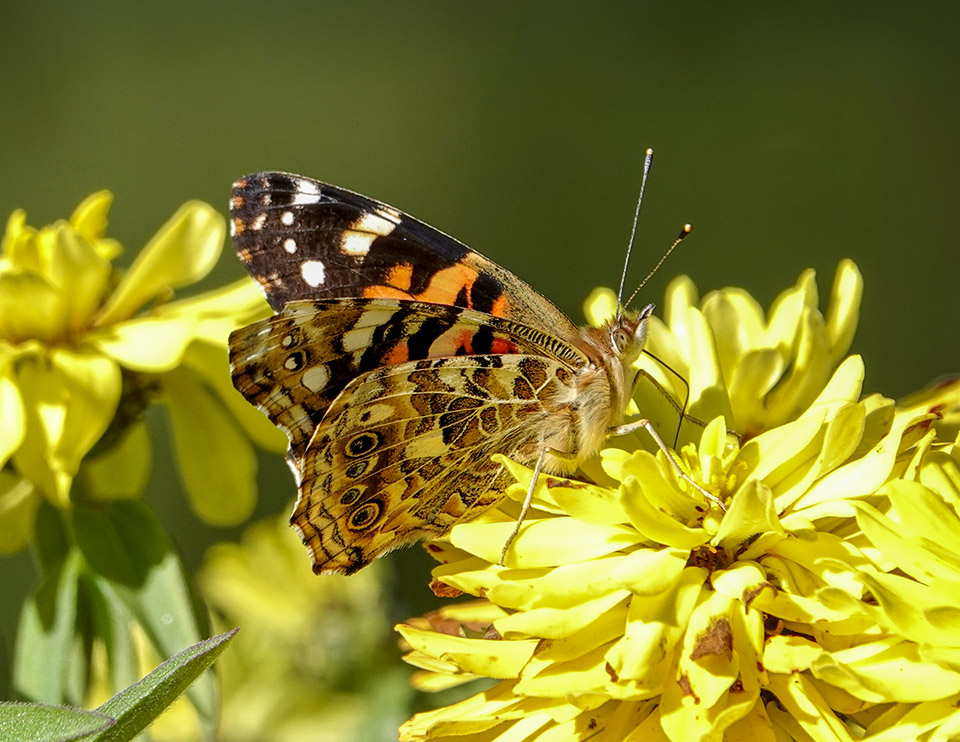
790 135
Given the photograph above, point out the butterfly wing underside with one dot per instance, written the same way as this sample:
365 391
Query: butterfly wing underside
404 451
398 362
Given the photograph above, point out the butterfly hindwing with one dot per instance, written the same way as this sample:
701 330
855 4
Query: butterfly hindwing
294 364
404 451
303 239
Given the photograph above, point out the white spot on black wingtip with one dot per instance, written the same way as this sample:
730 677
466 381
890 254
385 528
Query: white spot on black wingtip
286 218
313 272
290 245
307 193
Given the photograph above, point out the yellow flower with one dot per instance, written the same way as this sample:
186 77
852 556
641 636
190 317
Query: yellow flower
757 371
633 609
83 347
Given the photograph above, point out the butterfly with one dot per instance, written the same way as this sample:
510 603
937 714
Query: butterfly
399 361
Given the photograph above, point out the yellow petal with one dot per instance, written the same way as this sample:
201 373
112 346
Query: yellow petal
90 217
556 623
656 525
93 385
123 470
13 429
215 459
886 670
69 401
18 511
30 307
494 659
79 272
752 513
210 362
654 626
708 392
808 708
150 344
20 248
600 306
737 323
183 251
844 310
543 542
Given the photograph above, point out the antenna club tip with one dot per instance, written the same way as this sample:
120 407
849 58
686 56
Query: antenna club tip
649 151
687 229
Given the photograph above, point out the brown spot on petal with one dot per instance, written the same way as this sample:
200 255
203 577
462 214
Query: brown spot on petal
748 596
717 639
443 590
684 682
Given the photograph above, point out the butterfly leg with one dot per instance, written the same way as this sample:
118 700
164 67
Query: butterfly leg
529 498
645 424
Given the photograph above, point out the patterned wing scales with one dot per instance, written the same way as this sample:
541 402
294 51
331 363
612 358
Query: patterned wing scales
294 364
404 451
303 239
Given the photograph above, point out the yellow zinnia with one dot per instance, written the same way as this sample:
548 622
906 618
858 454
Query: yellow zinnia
626 610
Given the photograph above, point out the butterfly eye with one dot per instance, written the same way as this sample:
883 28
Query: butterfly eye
621 339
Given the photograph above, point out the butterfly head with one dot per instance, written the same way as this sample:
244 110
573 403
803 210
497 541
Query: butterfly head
618 345
628 335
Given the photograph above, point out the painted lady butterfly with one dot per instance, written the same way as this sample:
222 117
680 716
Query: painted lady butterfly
400 360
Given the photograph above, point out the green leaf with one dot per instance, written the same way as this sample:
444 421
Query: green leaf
46 665
127 548
138 705
51 544
110 622
36 722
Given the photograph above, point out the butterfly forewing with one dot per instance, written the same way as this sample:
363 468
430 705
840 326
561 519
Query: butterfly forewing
303 239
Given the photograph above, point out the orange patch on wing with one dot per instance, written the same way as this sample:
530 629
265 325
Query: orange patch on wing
447 284
385 292
501 305
502 347
400 276
398 354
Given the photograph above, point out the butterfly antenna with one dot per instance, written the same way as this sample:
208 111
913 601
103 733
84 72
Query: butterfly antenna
687 229
633 230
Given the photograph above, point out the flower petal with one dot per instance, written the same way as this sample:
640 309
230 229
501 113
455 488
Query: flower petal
844 310
217 463
90 217
152 344
14 428
30 307
69 401
123 470
183 251
18 511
